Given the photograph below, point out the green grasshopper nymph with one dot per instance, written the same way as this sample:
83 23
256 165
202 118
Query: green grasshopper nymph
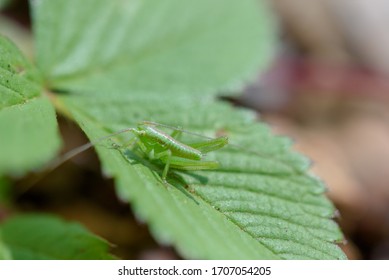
156 144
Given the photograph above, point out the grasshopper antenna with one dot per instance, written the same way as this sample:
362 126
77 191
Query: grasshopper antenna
74 152
69 155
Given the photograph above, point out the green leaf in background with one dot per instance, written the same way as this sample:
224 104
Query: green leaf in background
151 46
45 237
260 204
28 127
5 253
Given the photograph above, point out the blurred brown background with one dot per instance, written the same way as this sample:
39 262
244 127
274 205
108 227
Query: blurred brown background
328 89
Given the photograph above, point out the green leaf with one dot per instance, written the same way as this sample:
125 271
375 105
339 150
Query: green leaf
5 253
151 60
46 237
151 46
28 126
260 204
